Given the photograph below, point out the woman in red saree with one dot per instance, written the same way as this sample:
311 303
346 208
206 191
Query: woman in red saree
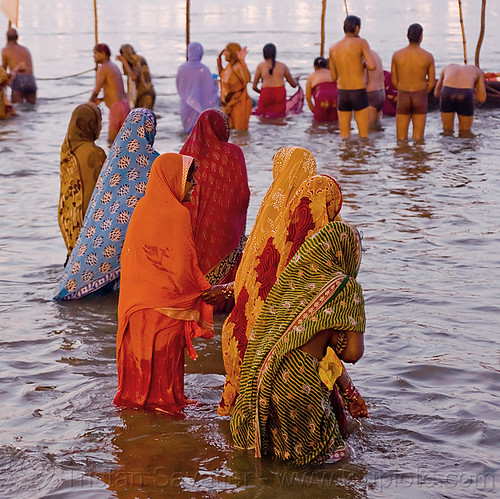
219 204
160 309
235 100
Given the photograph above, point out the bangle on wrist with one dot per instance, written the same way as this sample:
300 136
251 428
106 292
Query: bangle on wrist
351 394
228 290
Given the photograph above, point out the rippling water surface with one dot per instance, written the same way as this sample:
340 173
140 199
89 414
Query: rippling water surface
429 217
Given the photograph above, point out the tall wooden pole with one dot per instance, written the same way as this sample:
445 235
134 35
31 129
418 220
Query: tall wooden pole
481 32
95 22
345 6
188 22
323 11
463 30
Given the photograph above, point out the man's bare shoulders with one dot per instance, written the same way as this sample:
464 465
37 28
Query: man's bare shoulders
349 43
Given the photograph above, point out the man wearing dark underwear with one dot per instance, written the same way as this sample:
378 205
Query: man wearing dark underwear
348 60
414 75
375 88
18 59
458 86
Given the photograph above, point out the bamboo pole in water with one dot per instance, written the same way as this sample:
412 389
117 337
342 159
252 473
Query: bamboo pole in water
187 24
463 30
95 22
323 10
481 32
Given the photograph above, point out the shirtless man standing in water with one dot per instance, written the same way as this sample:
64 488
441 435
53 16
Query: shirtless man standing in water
18 59
457 87
375 88
348 60
414 75
109 78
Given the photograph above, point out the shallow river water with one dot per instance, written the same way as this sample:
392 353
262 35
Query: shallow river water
429 215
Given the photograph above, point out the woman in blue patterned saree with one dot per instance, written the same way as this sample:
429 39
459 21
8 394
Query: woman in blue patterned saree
95 259
283 409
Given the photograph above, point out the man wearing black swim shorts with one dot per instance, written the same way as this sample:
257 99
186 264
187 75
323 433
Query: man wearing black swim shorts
348 60
458 86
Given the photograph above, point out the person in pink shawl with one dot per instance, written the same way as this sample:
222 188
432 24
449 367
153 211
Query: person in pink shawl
196 87
219 205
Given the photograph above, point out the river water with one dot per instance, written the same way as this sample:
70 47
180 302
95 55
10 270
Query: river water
429 217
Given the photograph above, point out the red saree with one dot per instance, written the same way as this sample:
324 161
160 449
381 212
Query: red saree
272 102
220 201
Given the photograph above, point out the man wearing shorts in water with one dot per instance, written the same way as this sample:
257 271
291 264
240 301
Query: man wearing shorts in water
375 88
414 75
348 60
109 78
457 87
18 59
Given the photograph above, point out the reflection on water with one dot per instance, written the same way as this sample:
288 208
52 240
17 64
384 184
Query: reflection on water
429 219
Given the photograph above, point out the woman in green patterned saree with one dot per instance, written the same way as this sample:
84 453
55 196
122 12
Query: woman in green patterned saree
283 409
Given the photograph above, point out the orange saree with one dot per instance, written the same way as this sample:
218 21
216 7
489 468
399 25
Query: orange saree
236 102
159 309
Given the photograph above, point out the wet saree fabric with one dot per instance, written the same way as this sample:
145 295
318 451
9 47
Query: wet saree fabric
283 407
325 101
296 206
196 87
81 162
159 308
274 104
95 260
236 102
220 200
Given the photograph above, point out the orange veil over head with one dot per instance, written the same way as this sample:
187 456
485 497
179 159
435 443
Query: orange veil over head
159 267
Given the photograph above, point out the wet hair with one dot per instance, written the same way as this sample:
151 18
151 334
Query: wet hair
414 32
320 62
12 35
269 52
102 47
127 49
351 23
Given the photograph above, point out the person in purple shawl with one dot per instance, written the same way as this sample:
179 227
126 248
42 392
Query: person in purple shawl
196 87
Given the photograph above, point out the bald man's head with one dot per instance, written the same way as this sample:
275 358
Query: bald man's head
12 35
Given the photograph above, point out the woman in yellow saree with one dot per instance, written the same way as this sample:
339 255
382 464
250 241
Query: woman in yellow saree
81 163
297 204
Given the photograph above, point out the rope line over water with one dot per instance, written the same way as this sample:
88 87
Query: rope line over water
64 77
68 96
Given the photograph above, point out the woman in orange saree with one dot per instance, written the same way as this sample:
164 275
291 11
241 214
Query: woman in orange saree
159 308
297 205
235 100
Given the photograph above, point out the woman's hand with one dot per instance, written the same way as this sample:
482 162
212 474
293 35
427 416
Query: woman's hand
214 295
357 408
242 53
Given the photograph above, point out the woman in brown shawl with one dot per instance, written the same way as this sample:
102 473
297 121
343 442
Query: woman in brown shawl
81 162
140 91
